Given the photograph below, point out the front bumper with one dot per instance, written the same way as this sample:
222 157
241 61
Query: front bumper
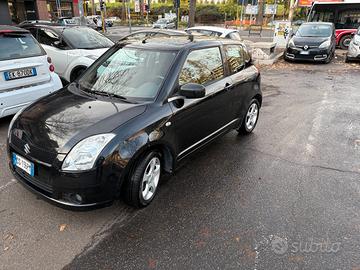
353 52
95 188
313 54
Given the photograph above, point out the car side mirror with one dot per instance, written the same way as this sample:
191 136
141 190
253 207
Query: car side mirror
192 90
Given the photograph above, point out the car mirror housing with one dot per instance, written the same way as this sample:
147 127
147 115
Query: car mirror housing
192 90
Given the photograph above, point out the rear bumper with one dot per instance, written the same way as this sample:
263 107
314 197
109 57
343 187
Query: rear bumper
314 55
14 100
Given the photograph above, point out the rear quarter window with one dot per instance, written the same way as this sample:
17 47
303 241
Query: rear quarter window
16 45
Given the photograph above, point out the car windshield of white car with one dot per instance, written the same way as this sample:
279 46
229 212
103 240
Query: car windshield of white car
312 30
86 38
131 73
15 45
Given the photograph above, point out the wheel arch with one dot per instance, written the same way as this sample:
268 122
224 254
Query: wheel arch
76 69
258 97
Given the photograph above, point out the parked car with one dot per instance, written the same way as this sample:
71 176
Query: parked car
34 22
108 23
114 19
354 48
97 20
87 22
66 21
145 34
26 72
72 49
215 32
164 24
312 42
135 114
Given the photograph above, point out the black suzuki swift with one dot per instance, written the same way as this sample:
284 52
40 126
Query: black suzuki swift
133 115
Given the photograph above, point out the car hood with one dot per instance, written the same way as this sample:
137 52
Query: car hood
59 121
310 41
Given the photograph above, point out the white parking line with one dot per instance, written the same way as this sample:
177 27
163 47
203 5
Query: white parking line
13 181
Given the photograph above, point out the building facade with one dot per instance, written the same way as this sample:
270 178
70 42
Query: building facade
16 11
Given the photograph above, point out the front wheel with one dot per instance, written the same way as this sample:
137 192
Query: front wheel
251 118
143 181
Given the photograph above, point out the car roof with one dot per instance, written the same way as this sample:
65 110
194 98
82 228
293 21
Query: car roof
179 42
213 28
161 31
8 28
318 23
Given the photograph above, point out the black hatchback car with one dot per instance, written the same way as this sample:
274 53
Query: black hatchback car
314 41
138 111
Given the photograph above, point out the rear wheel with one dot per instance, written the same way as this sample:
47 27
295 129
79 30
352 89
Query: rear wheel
251 118
143 181
345 42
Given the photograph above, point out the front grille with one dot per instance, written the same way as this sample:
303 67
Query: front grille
34 181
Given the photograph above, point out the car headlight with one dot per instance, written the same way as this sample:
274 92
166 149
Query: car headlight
356 40
92 57
326 44
291 44
84 154
14 119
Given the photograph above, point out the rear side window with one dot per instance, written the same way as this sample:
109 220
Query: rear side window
235 56
202 66
47 37
16 45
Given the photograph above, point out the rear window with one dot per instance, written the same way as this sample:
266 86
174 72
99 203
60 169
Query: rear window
15 45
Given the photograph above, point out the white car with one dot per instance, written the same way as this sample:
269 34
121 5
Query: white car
72 49
26 72
354 48
215 32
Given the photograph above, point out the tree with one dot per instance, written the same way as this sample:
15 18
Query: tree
260 15
192 8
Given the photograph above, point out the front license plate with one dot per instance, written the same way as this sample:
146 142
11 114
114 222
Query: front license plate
23 164
19 73
305 52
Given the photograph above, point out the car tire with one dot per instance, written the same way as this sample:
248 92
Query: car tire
329 59
345 41
251 118
76 73
143 180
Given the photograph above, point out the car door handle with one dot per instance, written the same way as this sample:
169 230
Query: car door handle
228 86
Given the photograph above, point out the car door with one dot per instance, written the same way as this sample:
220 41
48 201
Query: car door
196 121
243 76
55 48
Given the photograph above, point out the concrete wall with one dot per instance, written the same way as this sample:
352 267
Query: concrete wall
43 13
4 12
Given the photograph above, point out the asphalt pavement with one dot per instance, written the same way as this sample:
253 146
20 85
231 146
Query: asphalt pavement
285 197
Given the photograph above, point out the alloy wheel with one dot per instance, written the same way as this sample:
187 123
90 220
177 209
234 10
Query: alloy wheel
150 179
252 116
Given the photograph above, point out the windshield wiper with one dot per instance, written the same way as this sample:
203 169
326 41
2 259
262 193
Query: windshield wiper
110 95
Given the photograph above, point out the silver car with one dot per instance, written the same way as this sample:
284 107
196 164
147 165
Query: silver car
354 48
164 24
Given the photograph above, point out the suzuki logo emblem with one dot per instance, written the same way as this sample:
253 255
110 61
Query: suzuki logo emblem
27 148
306 47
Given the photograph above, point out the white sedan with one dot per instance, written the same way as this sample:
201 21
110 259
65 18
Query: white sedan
26 72
215 32
72 49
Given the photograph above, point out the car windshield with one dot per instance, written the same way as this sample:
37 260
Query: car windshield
86 38
314 30
16 45
129 73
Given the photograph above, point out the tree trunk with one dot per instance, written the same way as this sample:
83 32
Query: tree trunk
260 15
192 8
123 11
93 7
293 5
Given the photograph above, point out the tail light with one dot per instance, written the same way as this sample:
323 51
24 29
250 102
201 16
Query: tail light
51 66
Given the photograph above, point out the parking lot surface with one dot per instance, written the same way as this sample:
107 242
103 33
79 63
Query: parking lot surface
285 197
